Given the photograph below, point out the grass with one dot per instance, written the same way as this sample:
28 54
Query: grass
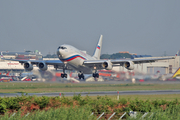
14 87
82 113
167 97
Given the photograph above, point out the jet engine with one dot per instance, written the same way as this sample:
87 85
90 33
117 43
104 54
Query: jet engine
129 65
107 65
28 66
42 66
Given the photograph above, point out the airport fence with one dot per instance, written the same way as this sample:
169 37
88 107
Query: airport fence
84 114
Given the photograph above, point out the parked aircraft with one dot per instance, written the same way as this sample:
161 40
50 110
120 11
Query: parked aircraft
170 76
73 58
177 74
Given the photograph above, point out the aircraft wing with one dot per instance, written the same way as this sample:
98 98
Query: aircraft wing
48 62
57 63
121 62
53 62
138 61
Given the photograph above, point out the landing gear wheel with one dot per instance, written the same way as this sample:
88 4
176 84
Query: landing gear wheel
63 75
96 75
81 75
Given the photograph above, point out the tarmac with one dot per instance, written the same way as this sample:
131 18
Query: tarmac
103 93
100 93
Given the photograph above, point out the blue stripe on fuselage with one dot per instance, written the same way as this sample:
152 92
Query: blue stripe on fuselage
73 57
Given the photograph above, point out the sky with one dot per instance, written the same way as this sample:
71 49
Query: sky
144 27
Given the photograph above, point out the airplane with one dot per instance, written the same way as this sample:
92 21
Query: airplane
73 58
171 76
176 74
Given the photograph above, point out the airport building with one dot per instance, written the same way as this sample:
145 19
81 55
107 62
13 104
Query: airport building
164 66
15 66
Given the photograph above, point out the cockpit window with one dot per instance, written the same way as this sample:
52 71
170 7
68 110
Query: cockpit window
61 47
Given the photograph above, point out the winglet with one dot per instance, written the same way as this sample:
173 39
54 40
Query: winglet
97 51
177 73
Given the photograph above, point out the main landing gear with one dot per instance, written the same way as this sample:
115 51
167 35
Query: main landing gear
96 75
81 75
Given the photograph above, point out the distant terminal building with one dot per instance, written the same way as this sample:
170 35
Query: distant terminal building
134 55
127 52
36 55
124 52
15 66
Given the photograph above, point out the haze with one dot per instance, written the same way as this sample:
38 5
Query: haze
142 27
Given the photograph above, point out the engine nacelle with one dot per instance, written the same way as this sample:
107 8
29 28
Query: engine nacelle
28 66
107 65
42 66
129 65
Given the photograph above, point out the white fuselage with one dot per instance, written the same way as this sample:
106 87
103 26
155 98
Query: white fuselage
74 58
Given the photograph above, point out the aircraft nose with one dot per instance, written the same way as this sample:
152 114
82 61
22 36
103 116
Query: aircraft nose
62 51
59 51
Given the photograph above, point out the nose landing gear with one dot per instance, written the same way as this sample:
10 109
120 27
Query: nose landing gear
64 75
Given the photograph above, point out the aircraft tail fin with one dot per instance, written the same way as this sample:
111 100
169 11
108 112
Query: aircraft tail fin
177 73
1 55
97 51
177 54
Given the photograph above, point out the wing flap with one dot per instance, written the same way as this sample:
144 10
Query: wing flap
137 61
57 63
24 61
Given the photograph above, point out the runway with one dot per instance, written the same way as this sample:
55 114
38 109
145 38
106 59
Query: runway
100 93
